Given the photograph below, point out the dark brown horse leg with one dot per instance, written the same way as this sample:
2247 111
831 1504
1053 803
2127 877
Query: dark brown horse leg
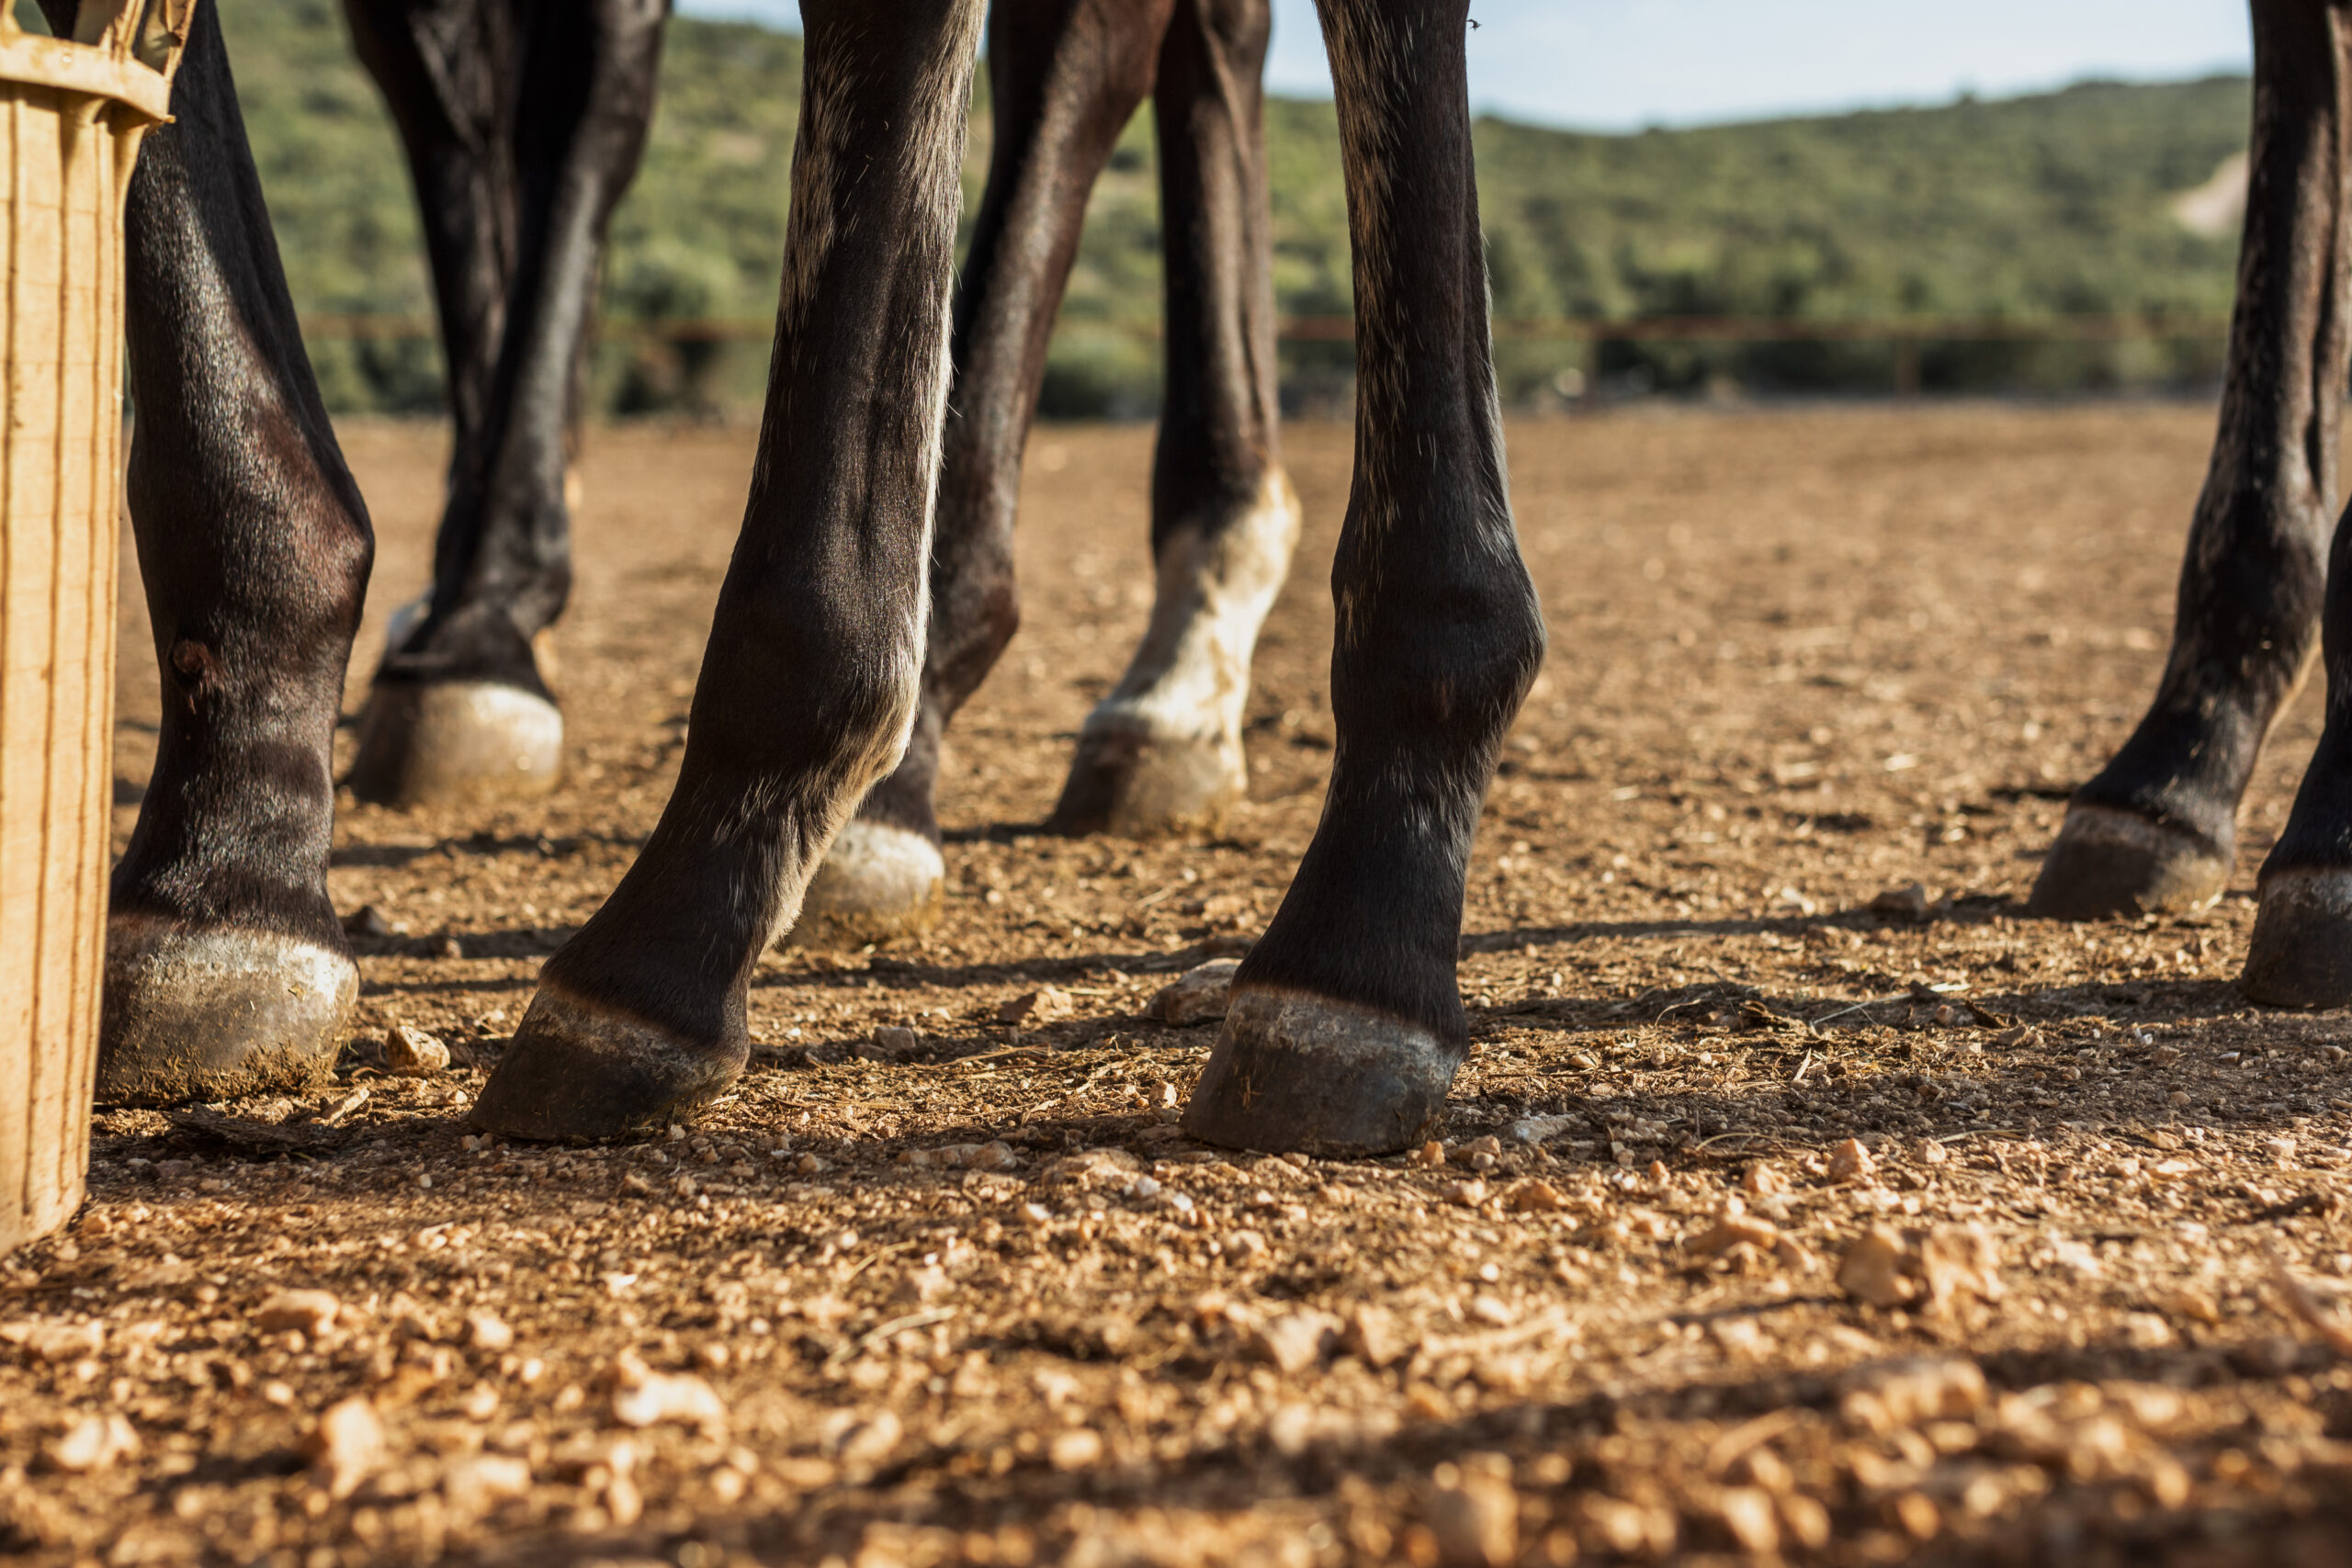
1162 752
810 684
524 121
2156 830
1346 1028
1065 77
226 970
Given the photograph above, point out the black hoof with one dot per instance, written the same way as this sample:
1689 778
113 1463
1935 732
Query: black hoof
579 1069
877 883
1127 783
2107 861
214 1014
455 743
1293 1071
2301 952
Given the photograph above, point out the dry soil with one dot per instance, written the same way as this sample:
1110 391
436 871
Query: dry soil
1770 1218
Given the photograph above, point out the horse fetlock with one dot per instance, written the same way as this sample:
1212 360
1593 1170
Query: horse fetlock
1161 754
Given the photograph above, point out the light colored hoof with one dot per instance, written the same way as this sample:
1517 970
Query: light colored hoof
2301 952
581 1068
1293 1071
455 743
2107 863
214 1014
875 884
1124 781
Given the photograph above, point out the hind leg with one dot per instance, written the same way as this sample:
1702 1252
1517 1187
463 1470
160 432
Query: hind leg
1162 752
226 970
524 124
2156 830
1346 1028
1065 76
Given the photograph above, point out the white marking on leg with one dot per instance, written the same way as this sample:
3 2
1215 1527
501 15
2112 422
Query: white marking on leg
874 868
1190 678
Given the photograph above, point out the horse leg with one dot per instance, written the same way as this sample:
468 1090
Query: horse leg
226 970
808 686
1345 1028
1162 752
2156 829
1065 77
524 124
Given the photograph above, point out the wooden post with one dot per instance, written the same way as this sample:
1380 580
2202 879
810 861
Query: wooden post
1906 368
71 117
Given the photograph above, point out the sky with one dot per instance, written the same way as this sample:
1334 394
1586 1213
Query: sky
1625 64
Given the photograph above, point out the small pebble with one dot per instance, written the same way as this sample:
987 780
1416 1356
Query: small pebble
1200 995
1908 902
488 1331
1850 1161
346 1445
479 1482
1294 1341
413 1054
92 1443
643 1397
1474 1517
311 1313
367 920
1046 1004
1079 1448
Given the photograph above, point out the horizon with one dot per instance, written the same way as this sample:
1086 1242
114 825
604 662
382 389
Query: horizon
1586 66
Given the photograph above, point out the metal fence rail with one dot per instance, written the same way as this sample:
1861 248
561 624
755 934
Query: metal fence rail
1539 329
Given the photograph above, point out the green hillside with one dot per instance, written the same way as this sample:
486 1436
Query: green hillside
2025 207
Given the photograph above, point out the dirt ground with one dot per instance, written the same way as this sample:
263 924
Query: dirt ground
1769 1223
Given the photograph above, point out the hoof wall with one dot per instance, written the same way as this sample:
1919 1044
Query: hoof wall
579 1069
2108 862
2301 952
193 1015
877 883
1293 1071
462 742
1125 783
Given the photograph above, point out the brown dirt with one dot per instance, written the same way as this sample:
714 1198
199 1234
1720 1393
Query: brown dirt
1799 658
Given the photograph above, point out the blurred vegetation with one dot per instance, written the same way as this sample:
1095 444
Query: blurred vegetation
2023 208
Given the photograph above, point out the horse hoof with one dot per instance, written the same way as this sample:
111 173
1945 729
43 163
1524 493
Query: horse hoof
875 884
1294 1071
581 1068
1124 781
2108 862
192 1015
2301 952
455 743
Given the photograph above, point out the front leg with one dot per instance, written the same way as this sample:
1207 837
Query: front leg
2156 829
808 686
1346 1028
226 970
